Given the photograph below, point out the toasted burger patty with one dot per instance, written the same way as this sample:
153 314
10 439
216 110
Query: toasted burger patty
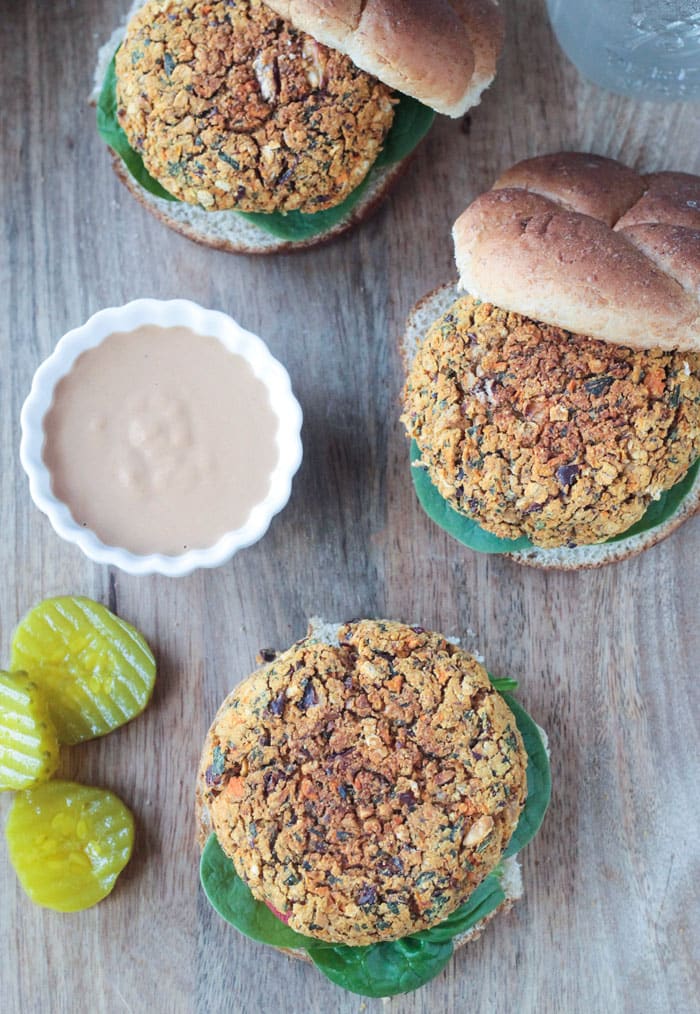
231 107
532 430
363 791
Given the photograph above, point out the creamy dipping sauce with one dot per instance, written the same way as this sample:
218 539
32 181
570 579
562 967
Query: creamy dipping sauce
160 440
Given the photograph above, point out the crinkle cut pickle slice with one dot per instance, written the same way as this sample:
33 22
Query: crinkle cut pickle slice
68 843
96 669
28 740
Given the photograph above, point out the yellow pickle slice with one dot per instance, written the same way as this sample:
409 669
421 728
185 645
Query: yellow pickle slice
96 670
28 741
68 843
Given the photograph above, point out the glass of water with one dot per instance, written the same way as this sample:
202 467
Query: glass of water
649 49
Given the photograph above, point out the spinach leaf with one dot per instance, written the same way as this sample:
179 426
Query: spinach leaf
412 120
111 132
399 966
539 780
662 509
503 683
296 226
459 526
384 969
471 534
231 898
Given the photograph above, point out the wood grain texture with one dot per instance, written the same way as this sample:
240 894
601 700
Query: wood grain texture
607 660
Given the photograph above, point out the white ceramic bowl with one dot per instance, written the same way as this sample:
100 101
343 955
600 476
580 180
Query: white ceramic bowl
182 313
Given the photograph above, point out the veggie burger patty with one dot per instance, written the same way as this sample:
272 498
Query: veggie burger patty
230 107
364 790
532 430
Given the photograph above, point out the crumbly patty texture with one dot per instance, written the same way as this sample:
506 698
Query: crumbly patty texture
364 790
231 107
532 430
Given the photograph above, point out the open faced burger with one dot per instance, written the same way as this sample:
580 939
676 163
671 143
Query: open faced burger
553 396
263 126
361 799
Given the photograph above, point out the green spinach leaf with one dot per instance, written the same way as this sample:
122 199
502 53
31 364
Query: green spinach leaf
231 898
399 966
297 226
111 132
412 121
539 779
459 526
384 969
503 683
662 509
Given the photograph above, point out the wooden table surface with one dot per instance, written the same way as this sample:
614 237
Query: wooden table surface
607 661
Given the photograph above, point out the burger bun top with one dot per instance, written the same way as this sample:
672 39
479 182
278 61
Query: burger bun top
584 243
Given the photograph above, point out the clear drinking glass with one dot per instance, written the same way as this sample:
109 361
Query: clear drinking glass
649 49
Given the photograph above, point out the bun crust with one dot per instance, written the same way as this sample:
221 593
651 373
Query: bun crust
586 244
441 52
422 316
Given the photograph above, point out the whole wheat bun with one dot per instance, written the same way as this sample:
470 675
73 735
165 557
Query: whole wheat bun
511 880
587 244
226 230
441 52
422 316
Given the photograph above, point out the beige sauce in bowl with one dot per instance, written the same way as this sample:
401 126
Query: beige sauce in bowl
160 440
